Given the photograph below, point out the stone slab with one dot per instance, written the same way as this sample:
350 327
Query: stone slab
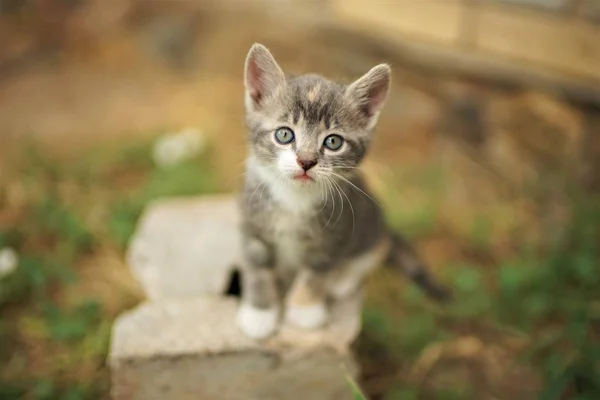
185 247
184 349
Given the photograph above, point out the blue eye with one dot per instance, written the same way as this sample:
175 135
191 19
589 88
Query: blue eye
284 135
333 142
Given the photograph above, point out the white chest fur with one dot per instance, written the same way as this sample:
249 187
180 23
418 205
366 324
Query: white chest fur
290 223
293 205
288 228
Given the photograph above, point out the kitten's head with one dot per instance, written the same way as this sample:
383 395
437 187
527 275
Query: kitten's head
307 129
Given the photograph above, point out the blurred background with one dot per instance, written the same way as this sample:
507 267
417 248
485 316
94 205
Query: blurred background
487 157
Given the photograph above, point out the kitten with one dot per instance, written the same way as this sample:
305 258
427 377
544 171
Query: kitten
310 227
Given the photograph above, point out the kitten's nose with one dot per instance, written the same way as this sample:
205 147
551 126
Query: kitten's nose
306 164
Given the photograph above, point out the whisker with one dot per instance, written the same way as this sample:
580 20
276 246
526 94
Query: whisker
261 193
351 209
356 188
330 187
337 188
321 187
230 176
255 189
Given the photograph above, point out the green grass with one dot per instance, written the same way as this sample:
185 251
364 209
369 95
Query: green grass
530 310
70 211
536 301
355 389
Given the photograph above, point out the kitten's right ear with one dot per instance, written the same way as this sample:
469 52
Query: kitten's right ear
262 75
370 92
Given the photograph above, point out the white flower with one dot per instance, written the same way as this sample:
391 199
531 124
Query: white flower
176 147
168 151
8 261
194 139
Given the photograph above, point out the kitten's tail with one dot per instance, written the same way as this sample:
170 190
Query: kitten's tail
404 258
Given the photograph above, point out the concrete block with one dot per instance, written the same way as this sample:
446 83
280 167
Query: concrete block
186 247
184 349
184 343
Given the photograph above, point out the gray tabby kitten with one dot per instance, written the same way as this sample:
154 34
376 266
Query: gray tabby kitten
310 227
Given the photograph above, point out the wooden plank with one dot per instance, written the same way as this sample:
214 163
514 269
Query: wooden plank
567 44
438 21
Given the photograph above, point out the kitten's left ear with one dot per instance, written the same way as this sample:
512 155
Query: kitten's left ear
370 91
262 75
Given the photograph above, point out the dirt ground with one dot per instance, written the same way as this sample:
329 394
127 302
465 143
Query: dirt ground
124 83
104 73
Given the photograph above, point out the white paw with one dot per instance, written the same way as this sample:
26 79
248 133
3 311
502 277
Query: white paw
309 317
257 323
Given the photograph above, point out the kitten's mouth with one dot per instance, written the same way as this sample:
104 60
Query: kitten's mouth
303 177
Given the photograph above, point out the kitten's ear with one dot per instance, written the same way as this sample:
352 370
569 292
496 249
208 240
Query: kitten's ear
370 91
262 75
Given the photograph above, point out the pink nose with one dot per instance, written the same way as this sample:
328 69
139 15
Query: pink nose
306 164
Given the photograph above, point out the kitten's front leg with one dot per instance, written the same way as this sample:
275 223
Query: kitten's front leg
305 304
258 315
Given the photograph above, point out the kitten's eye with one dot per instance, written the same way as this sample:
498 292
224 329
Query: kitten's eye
333 142
284 135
